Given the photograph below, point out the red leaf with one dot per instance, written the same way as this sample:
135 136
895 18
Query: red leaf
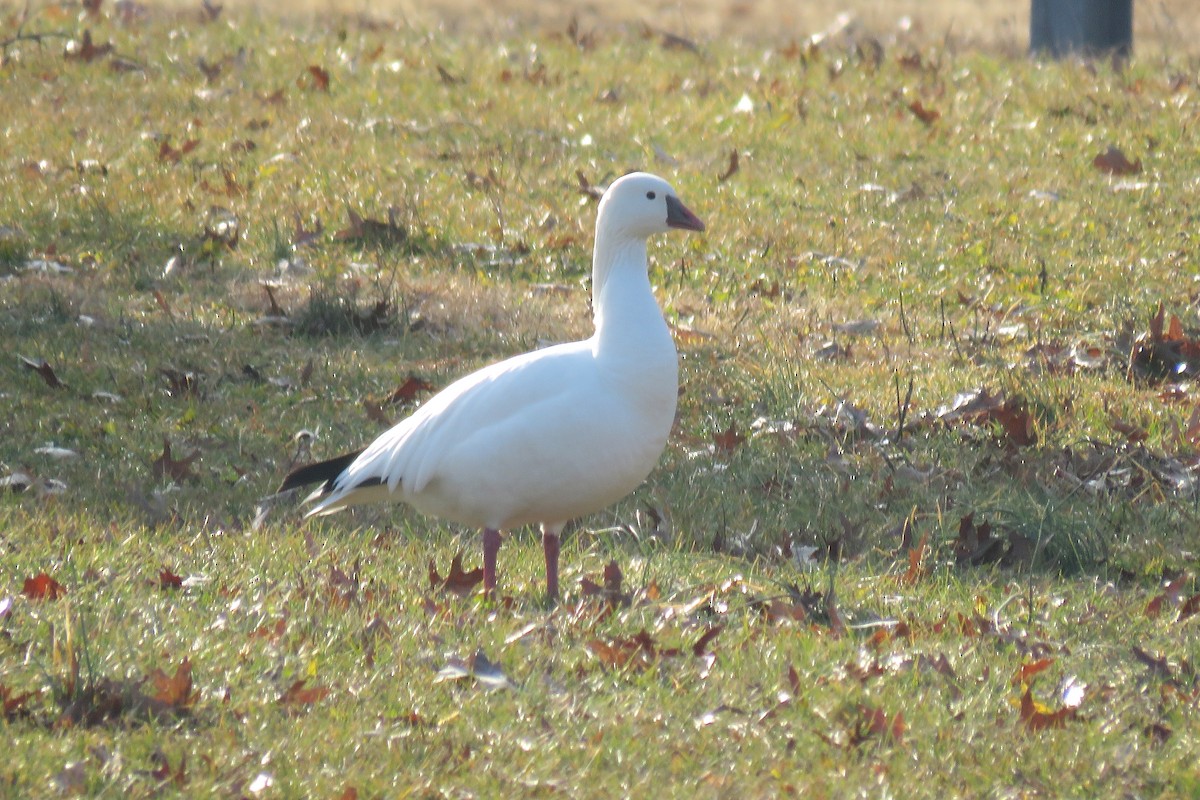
1114 162
1027 671
43 587
169 580
298 695
407 391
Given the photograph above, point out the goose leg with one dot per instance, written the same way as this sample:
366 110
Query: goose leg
491 546
550 546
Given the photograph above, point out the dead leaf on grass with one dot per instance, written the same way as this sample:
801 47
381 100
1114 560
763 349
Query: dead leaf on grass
1114 162
167 467
457 581
43 587
42 368
298 694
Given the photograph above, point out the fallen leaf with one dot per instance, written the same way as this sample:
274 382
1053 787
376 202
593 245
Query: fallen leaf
457 581
373 232
706 638
1114 162
1038 717
1189 608
84 49
609 589
315 78
916 560
728 440
43 368
167 153
1157 664
167 467
300 695
169 580
926 115
43 587
1029 670
635 652
730 170
13 704
172 692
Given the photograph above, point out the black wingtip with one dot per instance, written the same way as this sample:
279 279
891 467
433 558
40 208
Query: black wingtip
320 472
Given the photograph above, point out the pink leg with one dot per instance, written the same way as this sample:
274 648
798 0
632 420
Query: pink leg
491 546
550 546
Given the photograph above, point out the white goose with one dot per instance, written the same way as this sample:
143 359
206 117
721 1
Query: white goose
546 436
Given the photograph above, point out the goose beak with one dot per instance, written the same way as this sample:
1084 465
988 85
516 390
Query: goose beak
678 216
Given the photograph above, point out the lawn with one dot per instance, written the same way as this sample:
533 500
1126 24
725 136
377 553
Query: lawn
928 522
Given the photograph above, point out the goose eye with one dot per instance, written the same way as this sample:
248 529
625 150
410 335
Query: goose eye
649 195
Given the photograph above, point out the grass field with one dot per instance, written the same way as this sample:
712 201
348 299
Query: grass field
927 525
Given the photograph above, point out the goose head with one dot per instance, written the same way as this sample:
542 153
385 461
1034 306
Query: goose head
639 205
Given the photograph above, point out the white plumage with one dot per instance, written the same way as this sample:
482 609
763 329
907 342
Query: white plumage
546 436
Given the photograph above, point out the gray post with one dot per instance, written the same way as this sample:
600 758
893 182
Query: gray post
1088 27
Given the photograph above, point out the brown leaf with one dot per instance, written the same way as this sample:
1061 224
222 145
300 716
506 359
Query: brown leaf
732 169
609 589
170 154
172 692
43 368
916 562
1028 670
13 704
299 695
975 544
979 407
635 652
315 78
926 115
1157 664
1114 162
169 580
272 632
84 49
457 581
873 723
1037 719
1189 608
167 467
43 587
587 189
371 231
706 638
729 440
301 237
